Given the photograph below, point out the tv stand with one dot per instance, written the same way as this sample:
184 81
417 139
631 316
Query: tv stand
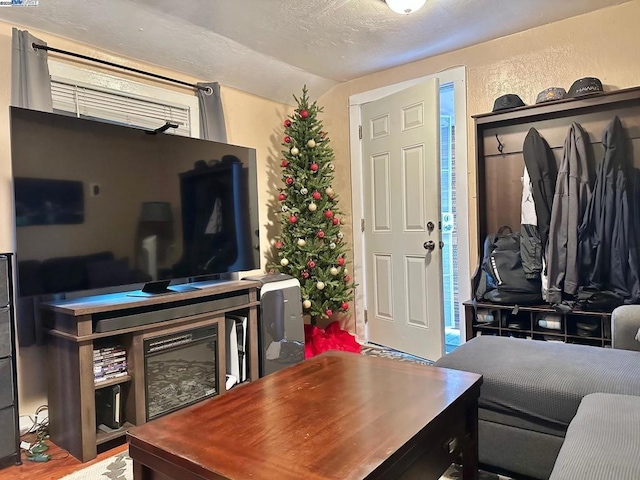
75 328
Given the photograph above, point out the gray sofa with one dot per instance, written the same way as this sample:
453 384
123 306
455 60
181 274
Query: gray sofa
532 391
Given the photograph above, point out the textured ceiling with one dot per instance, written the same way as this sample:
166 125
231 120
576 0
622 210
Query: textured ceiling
272 47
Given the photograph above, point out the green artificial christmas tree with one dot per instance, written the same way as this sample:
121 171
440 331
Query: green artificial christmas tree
311 246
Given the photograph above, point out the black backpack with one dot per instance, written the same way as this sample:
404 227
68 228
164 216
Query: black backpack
501 278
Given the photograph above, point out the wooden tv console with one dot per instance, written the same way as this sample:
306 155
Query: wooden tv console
72 333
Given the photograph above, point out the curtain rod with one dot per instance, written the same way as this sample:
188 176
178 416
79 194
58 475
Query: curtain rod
207 90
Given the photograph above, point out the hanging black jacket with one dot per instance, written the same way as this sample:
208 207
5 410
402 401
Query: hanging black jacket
541 167
572 194
608 236
543 172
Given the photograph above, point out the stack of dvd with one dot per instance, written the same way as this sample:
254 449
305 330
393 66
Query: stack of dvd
109 363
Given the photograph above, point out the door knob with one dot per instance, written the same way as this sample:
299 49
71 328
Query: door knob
429 245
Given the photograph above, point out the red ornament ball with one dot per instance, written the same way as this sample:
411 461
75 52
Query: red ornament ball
287 123
293 219
279 244
347 278
311 264
328 312
304 113
284 163
316 195
314 167
344 306
305 274
320 234
335 221
287 139
289 181
328 214
341 261
282 197
323 134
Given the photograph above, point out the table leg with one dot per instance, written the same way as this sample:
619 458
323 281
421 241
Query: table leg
140 472
470 450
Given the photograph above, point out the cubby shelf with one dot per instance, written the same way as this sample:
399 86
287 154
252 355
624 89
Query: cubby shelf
112 381
104 437
527 317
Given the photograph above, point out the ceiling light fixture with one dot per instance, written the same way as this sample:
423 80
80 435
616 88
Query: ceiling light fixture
405 7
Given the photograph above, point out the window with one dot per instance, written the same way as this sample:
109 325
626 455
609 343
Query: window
89 94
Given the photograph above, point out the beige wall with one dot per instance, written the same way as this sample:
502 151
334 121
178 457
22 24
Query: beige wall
250 120
602 44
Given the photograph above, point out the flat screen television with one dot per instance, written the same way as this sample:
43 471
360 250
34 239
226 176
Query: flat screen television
103 208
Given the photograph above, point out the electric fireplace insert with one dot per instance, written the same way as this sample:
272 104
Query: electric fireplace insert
180 369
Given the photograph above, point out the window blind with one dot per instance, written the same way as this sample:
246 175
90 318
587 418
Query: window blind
118 107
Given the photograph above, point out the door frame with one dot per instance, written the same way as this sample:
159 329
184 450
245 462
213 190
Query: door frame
457 76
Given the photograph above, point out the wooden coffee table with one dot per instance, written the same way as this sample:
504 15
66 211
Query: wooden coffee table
335 416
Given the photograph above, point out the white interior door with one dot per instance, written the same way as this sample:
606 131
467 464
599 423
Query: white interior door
401 180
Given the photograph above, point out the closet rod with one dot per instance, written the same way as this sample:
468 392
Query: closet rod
207 90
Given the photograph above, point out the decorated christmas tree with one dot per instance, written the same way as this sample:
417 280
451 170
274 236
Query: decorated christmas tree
311 246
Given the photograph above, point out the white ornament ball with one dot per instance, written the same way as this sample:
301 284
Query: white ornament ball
340 234
295 151
329 191
304 191
334 271
272 242
332 245
284 208
301 242
306 304
331 167
346 271
312 207
311 143
320 285
284 262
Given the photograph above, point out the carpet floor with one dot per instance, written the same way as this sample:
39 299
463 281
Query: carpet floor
120 466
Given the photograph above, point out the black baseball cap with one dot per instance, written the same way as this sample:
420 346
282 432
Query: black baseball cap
585 86
506 102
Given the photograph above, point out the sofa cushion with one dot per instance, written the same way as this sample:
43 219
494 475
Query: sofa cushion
603 440
543 381
624 327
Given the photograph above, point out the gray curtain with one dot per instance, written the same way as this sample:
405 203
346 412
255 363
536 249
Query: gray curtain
211 114
30 80
30 88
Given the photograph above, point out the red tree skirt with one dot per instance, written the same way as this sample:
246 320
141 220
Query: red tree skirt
333 337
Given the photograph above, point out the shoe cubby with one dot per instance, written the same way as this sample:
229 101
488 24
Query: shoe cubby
539 322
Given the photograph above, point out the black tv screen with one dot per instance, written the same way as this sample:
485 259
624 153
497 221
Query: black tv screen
106 207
